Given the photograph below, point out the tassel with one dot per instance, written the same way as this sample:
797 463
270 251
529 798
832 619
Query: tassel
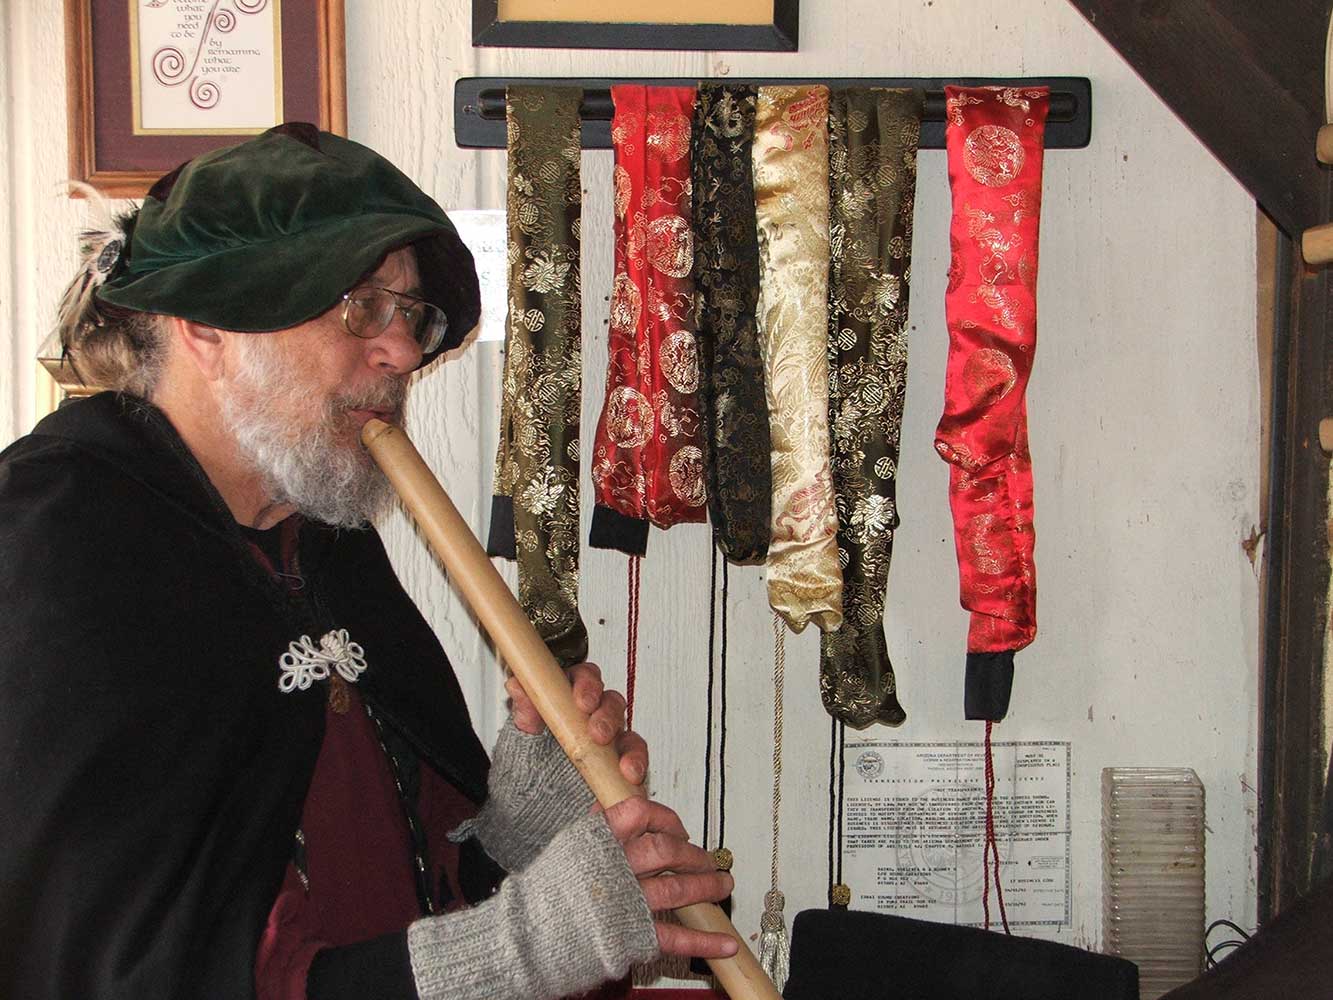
774 946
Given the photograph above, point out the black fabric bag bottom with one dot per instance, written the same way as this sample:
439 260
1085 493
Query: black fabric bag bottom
846 955
613 530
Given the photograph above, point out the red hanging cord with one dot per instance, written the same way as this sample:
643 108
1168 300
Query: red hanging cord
991 850
632 644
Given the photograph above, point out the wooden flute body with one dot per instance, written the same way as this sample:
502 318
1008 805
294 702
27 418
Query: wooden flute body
470 570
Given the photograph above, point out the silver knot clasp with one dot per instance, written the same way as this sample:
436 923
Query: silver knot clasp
304 662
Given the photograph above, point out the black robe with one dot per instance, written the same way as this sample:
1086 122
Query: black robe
152 775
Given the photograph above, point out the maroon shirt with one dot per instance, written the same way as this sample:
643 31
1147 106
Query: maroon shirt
357 878
359 858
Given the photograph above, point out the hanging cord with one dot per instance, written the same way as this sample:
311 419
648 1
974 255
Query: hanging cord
991 850
834 834
632 643
722 855
841 799
708 724
845 892
779 676
839 893
774 949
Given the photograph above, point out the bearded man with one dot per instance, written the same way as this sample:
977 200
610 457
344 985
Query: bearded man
235 760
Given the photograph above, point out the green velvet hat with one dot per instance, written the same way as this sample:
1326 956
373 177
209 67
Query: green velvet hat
272 232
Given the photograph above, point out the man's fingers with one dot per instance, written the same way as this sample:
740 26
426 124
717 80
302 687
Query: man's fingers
628 819
609 717
676 940
667 892
636 816
654 853
526 716
587 681
633 751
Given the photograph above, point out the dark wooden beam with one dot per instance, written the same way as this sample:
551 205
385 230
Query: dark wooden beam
1294 812
1246 77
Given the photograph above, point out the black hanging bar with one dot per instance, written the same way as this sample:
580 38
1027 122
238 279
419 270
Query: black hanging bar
479 104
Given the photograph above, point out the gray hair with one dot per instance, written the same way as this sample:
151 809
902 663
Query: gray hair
108 347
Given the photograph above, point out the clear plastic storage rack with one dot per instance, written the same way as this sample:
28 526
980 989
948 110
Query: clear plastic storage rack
1152 873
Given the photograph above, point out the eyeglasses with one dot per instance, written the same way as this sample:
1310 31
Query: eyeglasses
369 310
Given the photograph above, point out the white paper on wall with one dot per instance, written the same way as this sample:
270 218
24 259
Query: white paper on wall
914 829
483 232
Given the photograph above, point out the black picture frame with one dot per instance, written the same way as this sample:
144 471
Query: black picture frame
782 35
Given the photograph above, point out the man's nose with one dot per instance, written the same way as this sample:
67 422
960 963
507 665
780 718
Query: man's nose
396 349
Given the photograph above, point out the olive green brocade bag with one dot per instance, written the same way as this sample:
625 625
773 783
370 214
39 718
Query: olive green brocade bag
535 514
873 139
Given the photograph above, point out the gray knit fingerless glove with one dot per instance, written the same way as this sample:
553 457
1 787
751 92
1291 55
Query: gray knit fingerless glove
534 793
574 918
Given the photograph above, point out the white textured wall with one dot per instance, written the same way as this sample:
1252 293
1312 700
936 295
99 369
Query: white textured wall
1143 410
37 221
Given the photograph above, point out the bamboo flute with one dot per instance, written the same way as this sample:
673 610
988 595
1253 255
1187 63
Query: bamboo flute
470 570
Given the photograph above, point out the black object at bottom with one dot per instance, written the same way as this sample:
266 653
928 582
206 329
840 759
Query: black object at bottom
479 876
500 541
613 530
988 684
379 967
876 956
1289 957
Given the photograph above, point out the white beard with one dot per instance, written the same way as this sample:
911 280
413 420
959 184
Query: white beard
310 467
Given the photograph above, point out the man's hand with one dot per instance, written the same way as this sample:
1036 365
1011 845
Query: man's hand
606 717
672 872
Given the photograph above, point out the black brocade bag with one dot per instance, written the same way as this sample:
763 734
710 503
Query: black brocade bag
847 955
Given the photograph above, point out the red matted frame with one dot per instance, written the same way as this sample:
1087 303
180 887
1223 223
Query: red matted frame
103 149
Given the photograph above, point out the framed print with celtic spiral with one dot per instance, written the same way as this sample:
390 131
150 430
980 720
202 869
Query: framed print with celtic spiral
152 83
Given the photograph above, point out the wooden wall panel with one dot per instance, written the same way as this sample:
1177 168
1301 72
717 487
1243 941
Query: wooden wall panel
1247 78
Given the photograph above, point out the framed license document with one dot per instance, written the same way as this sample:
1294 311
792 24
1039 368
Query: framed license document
732 25
153 83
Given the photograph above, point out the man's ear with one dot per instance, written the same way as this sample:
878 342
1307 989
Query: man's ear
203 345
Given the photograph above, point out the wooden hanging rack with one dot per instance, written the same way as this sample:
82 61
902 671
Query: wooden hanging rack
479 103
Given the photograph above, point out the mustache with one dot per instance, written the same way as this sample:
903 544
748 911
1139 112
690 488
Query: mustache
389 395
